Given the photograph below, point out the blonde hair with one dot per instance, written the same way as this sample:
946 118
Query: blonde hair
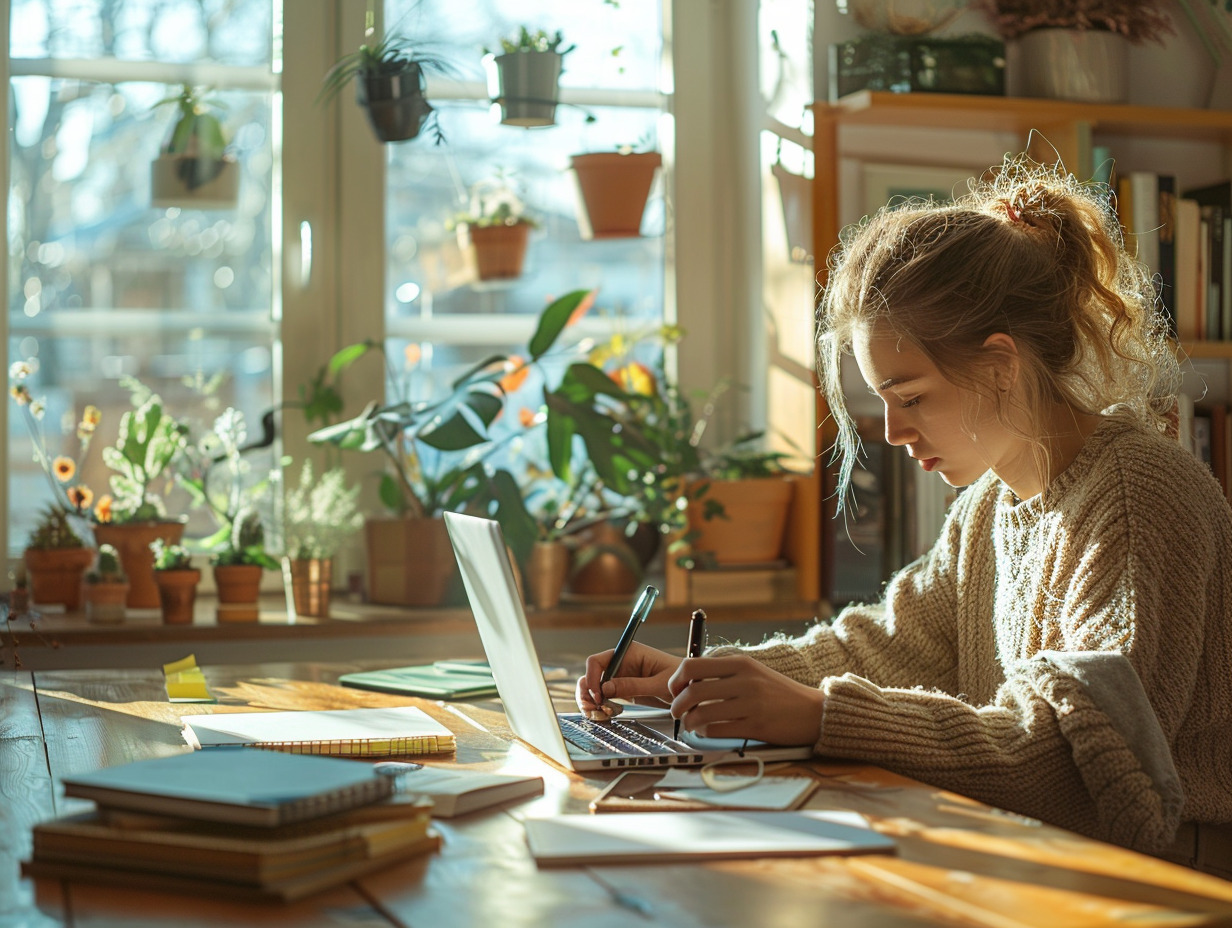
1030 252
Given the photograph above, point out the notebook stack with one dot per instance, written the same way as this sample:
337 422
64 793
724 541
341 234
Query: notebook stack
243 824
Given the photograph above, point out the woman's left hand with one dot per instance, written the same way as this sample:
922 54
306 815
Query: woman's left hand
736 697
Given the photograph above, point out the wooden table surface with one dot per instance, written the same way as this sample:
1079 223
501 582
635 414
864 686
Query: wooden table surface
959 862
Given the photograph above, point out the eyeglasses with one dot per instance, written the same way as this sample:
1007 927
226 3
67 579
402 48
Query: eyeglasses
729 784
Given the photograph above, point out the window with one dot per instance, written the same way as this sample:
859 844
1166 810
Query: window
101 284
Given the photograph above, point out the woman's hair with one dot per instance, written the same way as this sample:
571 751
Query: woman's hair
1029 252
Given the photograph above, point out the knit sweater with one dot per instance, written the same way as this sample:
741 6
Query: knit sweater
1130 550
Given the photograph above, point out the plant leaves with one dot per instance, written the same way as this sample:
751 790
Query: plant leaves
553 321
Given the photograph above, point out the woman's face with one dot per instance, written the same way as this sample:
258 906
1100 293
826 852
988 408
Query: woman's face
946 428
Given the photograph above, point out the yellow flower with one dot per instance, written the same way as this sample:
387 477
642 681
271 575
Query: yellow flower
64 468
80 497
90 418
20 370
636 378
102 511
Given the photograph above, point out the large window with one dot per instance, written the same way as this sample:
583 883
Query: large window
102 285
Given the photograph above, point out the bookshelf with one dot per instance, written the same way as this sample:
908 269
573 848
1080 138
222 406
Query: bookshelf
1065 129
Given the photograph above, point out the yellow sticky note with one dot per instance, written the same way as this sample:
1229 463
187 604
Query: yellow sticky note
184 663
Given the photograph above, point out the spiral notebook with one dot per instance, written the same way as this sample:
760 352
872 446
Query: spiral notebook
377 732
237 787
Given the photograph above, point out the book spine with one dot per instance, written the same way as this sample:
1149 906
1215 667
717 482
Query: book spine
1166 185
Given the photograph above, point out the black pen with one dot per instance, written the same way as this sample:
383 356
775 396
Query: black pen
640 612
697 638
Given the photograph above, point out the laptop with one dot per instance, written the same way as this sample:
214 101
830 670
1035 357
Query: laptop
572 740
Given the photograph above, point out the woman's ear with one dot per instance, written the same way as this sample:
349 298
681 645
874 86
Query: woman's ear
1003 356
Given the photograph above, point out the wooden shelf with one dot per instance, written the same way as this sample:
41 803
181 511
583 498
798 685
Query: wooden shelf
1217 350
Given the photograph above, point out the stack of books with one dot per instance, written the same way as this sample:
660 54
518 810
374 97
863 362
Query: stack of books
244 823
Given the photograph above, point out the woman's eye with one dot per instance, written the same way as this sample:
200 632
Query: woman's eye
914 401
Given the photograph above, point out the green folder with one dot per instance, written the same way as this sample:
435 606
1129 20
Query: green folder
423 680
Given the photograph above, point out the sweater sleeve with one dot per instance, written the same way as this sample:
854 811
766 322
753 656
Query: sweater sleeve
909 638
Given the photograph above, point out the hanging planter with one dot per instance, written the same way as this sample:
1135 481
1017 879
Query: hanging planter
612 189
389 84
525 81
193 170
500 250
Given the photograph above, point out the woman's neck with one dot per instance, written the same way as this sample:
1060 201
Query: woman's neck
1064 434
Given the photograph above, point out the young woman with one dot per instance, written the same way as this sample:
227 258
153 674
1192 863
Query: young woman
1018 352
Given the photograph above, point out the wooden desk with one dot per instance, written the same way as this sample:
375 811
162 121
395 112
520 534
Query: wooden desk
959 862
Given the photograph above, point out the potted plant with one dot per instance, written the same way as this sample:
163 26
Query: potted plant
319 515
497 228
436 449
106 588
55 559
132 516
177 581
238 567
612 188
193 168
389 80
524 79
1076 49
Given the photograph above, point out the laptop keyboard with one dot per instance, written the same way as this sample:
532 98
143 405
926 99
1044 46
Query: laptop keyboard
615 737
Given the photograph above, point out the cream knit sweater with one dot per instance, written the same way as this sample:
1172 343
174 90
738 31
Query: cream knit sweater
1129 550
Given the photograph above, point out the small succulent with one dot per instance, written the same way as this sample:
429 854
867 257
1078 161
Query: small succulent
247 543
54 531
170 557
107 567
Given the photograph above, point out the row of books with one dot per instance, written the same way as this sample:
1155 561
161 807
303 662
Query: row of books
1206 430
253 824
1185 238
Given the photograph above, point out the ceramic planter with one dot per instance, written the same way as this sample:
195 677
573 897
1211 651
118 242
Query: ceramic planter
105 602
55 575
1083 65
395 103
194 183
605 564
239 588
612 191
311 582
500 251
525 84
177 592
132 541
756 509
546 572
410 561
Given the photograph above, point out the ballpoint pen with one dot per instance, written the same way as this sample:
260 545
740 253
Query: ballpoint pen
640 612
697 636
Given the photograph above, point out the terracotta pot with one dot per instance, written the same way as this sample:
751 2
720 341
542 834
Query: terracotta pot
239 588
55 575
605 564
546 572
132 541
311 582
612 191
105 602
177 591
410 561
756 510
500 251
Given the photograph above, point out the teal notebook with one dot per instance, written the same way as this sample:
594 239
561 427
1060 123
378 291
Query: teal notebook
424 680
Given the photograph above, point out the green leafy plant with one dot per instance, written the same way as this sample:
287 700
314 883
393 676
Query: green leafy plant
392 54
438 448
246 544
106 567
55 531
150 440
170 556
217 476
320 513
524 40
196 136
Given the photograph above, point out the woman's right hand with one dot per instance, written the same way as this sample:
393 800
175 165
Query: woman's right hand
642 677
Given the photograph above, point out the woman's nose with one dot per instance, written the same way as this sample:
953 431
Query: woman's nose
897 432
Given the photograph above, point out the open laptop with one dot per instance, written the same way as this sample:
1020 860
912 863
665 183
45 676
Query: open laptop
570 739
